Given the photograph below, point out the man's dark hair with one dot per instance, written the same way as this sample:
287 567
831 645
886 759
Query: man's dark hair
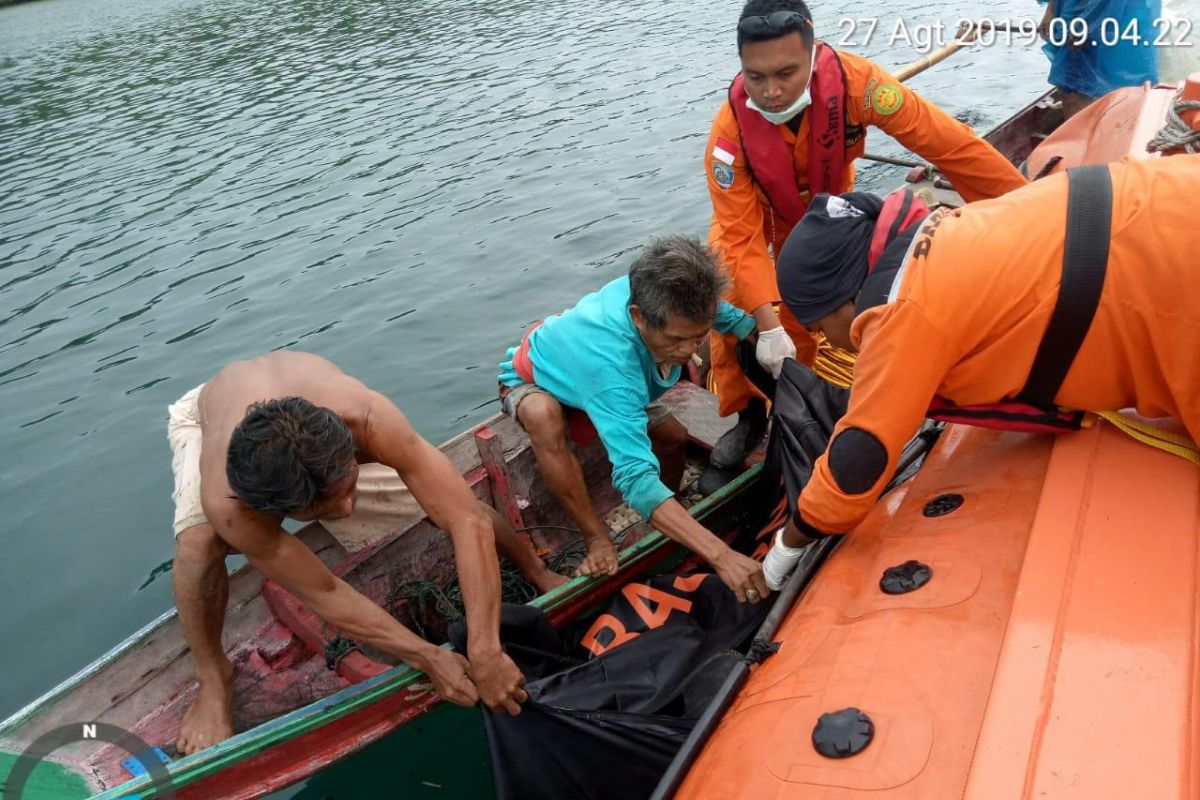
765 8
676 276
286 453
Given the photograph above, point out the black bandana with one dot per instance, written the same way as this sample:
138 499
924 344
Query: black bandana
823 263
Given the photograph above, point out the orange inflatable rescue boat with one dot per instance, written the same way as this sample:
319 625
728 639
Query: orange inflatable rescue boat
1020 620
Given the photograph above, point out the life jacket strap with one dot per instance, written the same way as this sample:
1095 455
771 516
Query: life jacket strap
1085 262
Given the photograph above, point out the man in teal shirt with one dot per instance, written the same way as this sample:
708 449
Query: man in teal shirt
612 356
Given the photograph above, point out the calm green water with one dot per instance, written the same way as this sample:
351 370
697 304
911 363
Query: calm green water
399 186
444 755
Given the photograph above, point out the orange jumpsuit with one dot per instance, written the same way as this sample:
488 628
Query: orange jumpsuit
743 225
970 313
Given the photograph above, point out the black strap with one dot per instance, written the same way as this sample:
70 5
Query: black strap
1085 260
878 285
1050 164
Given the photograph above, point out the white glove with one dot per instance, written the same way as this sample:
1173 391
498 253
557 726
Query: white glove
773 347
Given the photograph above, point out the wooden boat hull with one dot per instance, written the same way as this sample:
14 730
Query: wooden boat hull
298 745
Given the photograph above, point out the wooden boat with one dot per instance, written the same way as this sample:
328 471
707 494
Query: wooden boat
1054 651
294 715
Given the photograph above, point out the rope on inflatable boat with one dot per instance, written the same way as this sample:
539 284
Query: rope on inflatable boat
1177 134
834 364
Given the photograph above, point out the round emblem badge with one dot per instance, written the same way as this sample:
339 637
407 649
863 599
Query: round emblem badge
722 174
887 99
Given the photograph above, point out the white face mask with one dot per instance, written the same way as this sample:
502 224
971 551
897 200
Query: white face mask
802 102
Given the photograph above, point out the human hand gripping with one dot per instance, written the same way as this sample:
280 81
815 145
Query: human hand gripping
742 574
773 347
499 681
451 680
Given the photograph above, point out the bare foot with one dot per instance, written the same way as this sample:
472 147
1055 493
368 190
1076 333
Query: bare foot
209 720
601 558
547 580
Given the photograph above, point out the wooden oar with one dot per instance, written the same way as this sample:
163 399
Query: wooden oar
897 162
966 35
916 170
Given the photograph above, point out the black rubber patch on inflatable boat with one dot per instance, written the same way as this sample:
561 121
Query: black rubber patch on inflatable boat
904 578
857 460
841 734
942 505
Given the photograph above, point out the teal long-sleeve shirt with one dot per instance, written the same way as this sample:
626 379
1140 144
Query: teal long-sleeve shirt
591 357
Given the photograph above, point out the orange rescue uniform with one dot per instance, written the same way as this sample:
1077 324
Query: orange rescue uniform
743 225
970 313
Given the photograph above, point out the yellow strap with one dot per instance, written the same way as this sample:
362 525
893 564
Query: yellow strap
1167 441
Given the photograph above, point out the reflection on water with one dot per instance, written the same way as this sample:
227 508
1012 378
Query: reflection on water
399 186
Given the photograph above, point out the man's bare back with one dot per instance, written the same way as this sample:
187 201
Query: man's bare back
283 373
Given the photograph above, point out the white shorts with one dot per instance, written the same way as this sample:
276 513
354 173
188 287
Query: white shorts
384 503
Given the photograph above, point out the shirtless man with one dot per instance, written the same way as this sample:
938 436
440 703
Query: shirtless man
283 435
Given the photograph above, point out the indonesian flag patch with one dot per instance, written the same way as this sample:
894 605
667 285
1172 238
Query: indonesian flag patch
723 151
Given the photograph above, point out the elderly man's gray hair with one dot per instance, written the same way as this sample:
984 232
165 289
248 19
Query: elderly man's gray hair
676 276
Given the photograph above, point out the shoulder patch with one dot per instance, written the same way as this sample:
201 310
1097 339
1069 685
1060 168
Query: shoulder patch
722 173
724 151
886 98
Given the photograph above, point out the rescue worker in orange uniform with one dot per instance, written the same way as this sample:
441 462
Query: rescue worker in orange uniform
793 123
969 319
